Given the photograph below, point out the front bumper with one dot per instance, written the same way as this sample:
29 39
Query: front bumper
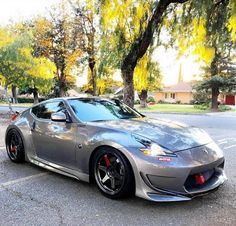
161 195
173 181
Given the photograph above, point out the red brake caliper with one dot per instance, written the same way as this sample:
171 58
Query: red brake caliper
13 148
108 163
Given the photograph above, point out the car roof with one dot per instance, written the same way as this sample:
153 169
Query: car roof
70 98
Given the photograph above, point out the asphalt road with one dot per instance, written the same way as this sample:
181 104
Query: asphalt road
5 109
32 196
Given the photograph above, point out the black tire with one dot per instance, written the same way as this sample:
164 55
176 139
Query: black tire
15 146
113 173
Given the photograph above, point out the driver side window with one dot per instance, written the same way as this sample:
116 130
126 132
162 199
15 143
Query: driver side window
44 111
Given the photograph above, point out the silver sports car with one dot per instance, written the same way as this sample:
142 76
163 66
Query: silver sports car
121 150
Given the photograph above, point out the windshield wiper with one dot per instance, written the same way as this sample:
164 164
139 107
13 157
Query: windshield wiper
99 120
129 117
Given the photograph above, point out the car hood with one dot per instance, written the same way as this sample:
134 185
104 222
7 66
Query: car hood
173 136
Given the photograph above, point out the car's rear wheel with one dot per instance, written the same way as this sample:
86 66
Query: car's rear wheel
113 173
14 146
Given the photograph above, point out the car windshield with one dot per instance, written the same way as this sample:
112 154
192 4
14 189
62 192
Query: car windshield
91 110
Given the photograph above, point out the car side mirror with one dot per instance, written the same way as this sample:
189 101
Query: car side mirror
58 117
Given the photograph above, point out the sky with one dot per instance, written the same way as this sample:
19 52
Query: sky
170 66
19 10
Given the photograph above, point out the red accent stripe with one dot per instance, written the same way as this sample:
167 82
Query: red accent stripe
14 116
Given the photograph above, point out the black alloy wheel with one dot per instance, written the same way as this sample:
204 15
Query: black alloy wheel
14 146
113 173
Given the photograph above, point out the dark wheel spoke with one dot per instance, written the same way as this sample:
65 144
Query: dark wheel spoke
14 146
103 168
113 184
112 173
108 169
118 176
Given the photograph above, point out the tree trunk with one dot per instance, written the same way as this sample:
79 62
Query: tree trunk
61 91
14 95
143 98
140 46
93 75
214 99
214 90
127 76
36 95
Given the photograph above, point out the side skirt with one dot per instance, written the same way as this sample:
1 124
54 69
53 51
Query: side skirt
59 169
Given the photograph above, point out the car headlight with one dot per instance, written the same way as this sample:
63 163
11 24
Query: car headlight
152 149
155 150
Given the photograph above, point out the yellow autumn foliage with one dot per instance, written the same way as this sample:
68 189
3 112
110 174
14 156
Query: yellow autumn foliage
126 15
232 27
42 68
195 43
5 37
141 74
71 60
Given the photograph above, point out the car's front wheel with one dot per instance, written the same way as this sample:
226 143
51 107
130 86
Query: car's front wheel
14 146
113 173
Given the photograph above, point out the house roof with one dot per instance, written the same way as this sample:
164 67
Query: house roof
181 87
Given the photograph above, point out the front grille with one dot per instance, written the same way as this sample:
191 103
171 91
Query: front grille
210 176
191 182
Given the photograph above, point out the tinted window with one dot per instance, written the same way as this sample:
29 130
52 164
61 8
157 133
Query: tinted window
35 110
88 110
44 111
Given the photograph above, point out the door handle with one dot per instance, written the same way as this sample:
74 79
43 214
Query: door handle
32 127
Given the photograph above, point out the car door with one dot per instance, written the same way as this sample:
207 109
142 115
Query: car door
53 141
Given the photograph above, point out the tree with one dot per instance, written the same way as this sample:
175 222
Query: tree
147 77
132 24
206 28
59 40
39 79
85 22
224 80
15 59
20 68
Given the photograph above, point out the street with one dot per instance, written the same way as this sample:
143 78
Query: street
30 195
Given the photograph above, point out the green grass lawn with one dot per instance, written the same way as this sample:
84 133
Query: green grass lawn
175 108
178 108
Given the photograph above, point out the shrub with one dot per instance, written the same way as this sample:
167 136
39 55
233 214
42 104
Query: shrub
150 99
201 97
28 100
202 106
161 102
224 108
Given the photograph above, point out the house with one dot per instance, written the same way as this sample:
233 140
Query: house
182 92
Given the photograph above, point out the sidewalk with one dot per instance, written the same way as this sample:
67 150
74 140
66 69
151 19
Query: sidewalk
223 114
219 114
